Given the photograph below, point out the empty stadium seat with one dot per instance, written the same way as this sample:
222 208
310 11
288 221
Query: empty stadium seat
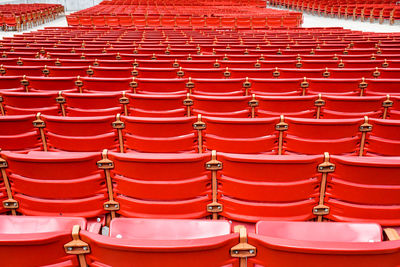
241 135
293 106
80 133
384 139
153 194
54 183
91 104
310 136
176 245
39 239
282 187
344 244
20 103
150 105
221 106
167 135
18 133
356 191
353 106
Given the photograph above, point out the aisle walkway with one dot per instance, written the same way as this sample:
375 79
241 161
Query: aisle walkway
317 21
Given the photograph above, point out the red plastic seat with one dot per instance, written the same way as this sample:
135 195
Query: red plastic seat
112 21
164 135
38 62
195 22
67 71
221 106
251 72
384 138
17 133
112 72
216 73
159 63
125 21
51 83
241 135
74 63
23 70
184 21
300 73
310 136
292 244
156 72
356 191
10 82
176 187
92 104
149 253
94 84
389 73
217 87
146 105
167 229
20 103
276 87
80 133
115 63
39 239
350 72
282 187
161 86
324 232
57 183
333 86
293 106
382 86
352 106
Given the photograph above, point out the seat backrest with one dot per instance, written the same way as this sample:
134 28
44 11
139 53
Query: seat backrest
80 133
241 135
40 240
165 135
51 83
92 104
270 187
57 183
18 103
106 84
152 105
310 136
17 133
364 189
221 106
154 194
